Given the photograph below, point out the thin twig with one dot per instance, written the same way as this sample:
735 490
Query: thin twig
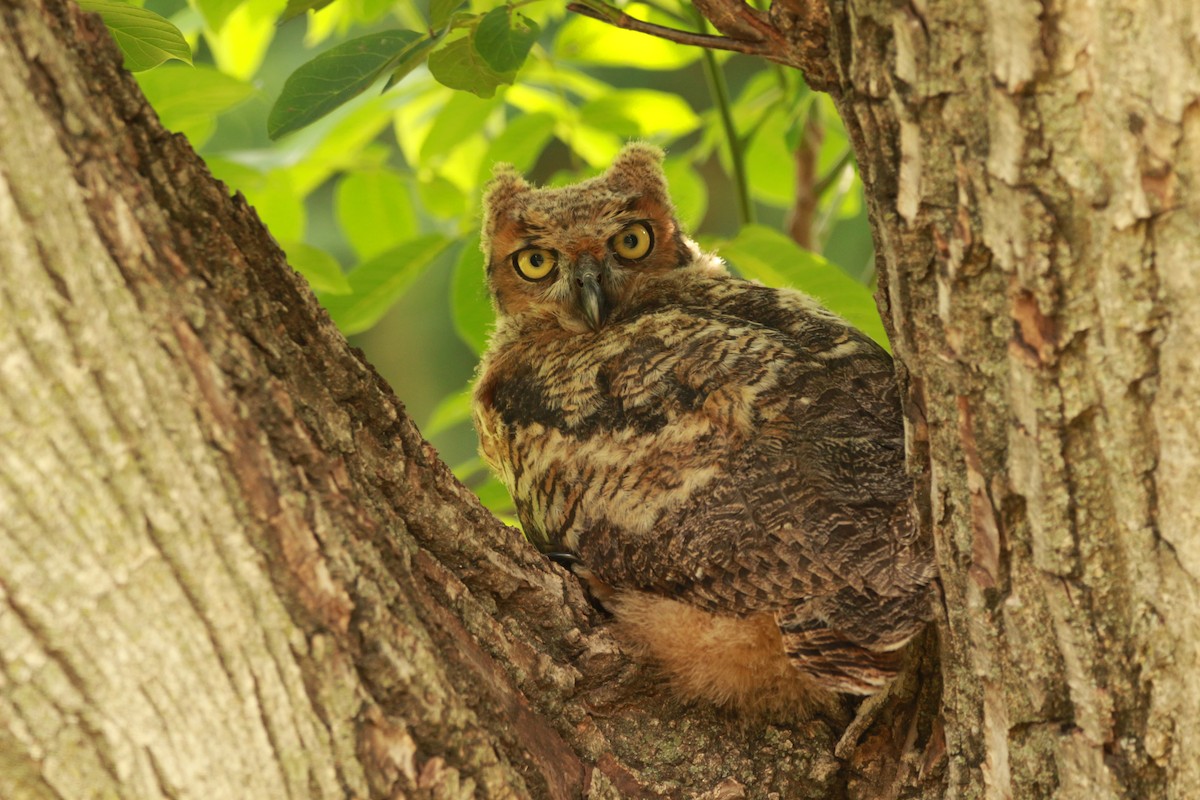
618 18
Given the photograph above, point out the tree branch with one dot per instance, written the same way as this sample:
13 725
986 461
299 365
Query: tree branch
736 19
793 33
618 18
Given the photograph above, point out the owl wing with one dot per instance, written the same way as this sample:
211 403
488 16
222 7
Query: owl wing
809 518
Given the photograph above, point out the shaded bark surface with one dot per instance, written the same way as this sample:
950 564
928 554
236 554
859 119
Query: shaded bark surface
230 566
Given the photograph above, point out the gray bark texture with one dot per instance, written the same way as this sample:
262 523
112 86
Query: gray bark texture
230 567
1032 172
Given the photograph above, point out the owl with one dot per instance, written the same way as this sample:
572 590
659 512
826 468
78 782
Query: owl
722 461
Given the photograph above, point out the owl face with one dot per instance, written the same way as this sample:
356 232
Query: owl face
578 255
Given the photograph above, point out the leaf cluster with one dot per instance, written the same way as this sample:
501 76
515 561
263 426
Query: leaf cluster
366 156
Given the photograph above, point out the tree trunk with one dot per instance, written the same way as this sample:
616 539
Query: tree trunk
1031 173
230 567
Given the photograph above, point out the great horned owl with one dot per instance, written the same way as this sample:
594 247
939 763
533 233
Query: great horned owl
724 460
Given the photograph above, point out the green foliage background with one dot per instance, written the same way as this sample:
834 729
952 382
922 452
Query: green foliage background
374 195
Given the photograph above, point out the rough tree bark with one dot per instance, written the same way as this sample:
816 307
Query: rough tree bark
1032 171
230 567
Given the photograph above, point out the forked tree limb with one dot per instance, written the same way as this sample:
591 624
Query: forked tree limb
794 33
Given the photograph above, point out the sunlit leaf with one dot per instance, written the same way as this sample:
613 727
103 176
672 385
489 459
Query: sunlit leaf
503 38
760 94
145 38
769 164
538 100
322 270
593 42
562 78
279 205
461 167
597 146
767 255
520 143
215 12
470 307
688 192
375 210
239 44
344 140
297 7
852 201
335 76
441 197
188 99
377 284
836 141
654 114
414 119
459 66
460 119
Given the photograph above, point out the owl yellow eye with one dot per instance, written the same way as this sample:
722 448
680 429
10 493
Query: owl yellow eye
634 242
534 263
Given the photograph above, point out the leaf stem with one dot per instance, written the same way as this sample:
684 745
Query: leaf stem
719 90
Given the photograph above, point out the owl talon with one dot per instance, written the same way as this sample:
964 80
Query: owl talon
598 592
567 561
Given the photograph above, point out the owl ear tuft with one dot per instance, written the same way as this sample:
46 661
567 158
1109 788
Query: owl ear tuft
504 187
637 169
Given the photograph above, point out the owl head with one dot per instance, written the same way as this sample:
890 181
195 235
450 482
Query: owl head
576 255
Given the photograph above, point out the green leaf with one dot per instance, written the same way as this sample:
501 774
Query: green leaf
335 76
145 38
188 99
496 499
216 11
520 143
688 192
470 307
278 204
380 282
375 210
240 44
769 163
504 38
767 255
441 198
593 42
652 113
597 146
461 118
412 59
459 66
440 11
345 140
322 270
466 470
454 410
297 7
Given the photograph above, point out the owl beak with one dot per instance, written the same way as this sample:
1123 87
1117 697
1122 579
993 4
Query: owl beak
591 296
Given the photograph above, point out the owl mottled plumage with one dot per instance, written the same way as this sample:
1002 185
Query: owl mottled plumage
726 460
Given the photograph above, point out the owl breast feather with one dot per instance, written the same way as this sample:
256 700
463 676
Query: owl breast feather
624 429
